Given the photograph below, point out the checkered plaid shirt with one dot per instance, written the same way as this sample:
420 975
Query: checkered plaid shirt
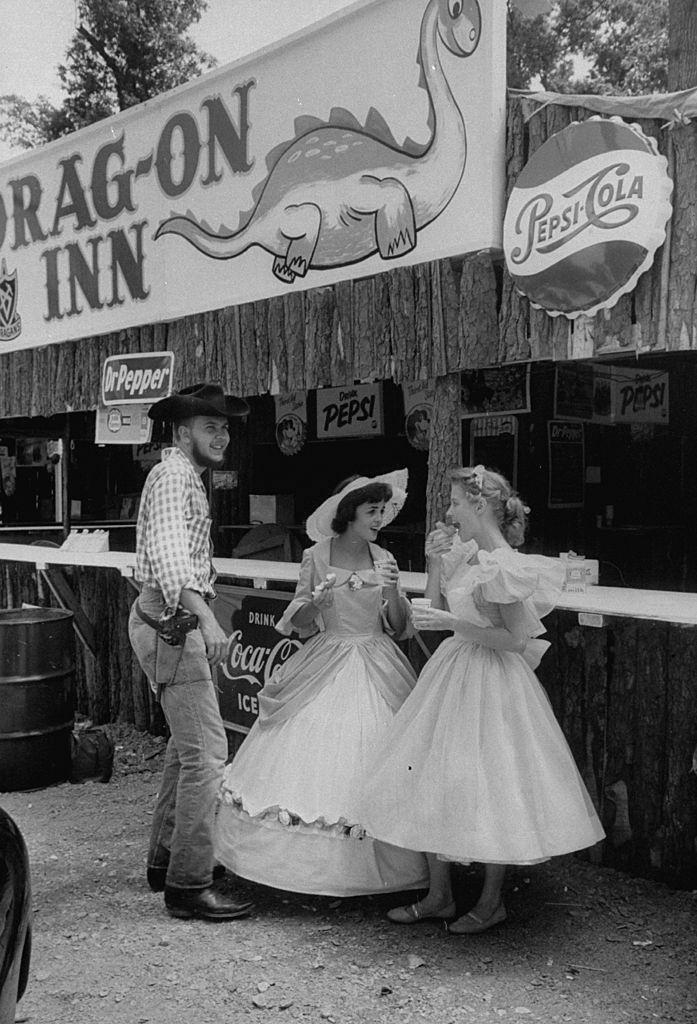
173 535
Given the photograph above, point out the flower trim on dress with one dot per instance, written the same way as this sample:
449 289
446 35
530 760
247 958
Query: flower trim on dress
273 816
355 582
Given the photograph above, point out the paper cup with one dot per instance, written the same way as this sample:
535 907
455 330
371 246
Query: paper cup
383 569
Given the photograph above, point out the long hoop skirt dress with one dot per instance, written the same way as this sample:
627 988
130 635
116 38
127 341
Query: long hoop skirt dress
475 766
289 810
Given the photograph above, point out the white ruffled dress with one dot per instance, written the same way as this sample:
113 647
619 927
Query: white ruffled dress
475 766
289 812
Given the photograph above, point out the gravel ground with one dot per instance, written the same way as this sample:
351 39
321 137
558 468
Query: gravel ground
583 944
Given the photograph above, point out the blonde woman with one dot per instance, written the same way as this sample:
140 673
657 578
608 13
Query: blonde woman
475 766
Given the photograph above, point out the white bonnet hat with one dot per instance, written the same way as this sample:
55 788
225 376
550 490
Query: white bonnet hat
319 524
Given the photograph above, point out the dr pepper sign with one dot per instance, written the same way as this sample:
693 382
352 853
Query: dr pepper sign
586 216
137 377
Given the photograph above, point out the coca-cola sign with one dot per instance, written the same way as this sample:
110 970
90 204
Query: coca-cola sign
586 216
256 652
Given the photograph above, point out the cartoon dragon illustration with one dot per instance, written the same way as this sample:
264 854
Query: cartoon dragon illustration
339 192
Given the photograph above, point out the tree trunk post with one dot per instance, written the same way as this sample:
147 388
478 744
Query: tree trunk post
445 450
682 45
62 480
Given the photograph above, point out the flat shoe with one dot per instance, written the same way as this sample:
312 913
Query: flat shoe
473 924
412 915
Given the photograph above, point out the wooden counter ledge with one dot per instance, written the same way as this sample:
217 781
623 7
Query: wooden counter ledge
657 605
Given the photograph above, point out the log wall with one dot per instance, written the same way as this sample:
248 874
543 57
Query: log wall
625 695
408 324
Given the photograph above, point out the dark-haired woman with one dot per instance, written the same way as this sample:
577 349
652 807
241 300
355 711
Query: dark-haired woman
288 815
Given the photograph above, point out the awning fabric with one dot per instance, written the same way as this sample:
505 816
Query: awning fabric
674 108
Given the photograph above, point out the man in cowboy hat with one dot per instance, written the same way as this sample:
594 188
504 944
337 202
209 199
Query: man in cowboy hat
179 643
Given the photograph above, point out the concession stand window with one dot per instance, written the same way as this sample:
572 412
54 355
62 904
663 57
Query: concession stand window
604 456
54 476
298 483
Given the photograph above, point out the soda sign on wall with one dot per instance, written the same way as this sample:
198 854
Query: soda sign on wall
256 652
418 410
586 216
601 393
630 396
138 377
127 424
131 382
291 421
351 411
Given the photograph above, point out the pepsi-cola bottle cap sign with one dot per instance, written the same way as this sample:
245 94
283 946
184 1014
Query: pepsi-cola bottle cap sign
586 216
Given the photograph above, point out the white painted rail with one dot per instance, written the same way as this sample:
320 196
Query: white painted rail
660 605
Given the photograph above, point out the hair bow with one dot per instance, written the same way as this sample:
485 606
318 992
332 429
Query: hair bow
478 474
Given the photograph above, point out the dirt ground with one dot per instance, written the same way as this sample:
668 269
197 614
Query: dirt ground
583 944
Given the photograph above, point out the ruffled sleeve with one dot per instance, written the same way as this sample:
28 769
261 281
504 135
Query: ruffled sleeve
507 577
307 581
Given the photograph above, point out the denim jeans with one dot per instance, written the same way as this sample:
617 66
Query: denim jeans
181 836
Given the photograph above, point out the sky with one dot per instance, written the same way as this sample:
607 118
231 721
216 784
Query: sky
36 33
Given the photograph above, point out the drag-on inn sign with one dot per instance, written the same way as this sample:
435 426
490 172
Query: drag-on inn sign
373 139
586 216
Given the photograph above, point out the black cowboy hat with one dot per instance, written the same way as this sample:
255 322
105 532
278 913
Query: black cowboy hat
198 400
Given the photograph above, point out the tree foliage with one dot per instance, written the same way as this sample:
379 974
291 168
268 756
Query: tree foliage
536 53
123 52
127 51
591 46
25 123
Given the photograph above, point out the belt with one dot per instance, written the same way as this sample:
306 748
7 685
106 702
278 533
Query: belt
174 629
147 619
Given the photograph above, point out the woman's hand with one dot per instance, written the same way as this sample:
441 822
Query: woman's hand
496 638
388 572
432 619
439 541
322 594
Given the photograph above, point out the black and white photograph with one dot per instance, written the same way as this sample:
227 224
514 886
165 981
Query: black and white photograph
348 570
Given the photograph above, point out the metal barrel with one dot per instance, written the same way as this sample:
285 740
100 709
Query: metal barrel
36 697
